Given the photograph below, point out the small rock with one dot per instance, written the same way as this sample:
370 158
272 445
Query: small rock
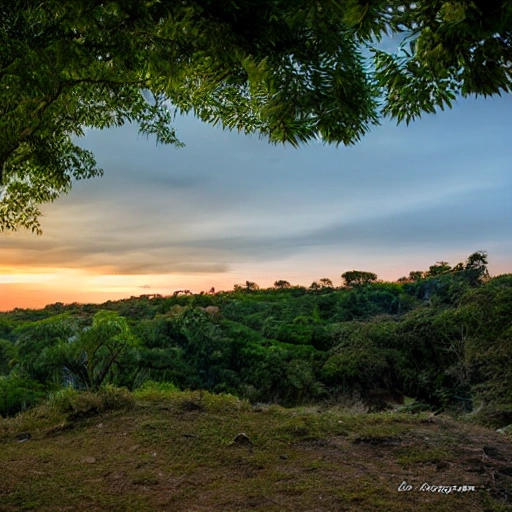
505 430
99 425
134 448
260 407
242 439
88 460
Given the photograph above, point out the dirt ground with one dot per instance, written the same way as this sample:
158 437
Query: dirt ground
160 457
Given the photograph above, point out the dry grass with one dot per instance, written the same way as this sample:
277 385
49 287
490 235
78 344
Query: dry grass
176 452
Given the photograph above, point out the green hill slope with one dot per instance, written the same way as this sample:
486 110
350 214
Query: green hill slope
183 451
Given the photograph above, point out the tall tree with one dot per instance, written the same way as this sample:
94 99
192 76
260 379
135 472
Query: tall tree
475 269
441 267
358 278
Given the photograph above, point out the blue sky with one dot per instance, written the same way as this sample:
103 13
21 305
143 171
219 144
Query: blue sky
230 207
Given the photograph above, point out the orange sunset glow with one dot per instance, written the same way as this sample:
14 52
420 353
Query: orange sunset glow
31 288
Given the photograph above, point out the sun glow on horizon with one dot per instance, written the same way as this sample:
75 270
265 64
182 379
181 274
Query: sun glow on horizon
26 278
33 287
36 290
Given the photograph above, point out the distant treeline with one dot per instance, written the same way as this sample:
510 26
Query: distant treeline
442 337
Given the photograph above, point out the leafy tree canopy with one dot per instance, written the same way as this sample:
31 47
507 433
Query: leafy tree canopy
290 70
91 357
358 278
282 284
249 286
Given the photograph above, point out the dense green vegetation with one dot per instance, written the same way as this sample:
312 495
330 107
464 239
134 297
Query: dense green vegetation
442 337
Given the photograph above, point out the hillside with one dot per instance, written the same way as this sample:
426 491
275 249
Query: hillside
167 450
438 340
345 396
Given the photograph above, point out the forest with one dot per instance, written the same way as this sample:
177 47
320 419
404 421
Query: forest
438 339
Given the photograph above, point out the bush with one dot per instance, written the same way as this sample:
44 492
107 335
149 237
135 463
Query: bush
494 415
18 394
190 401
152 390
357 368
82 404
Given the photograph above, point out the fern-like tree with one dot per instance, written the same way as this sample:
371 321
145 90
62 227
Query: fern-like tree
91 357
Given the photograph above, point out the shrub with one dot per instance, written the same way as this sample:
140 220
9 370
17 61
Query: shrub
82 404
152 390
18 394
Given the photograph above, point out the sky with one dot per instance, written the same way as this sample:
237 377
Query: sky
230 207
